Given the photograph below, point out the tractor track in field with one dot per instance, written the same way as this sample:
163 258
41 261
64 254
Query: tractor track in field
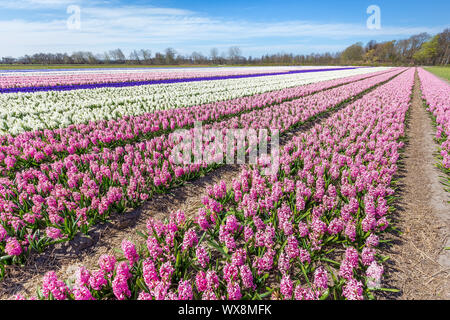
419 265
105 238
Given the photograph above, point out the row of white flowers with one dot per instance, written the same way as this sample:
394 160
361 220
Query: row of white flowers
21 112
187 71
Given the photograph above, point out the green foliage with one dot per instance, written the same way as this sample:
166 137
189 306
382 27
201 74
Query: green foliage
443 72
354 53
428 52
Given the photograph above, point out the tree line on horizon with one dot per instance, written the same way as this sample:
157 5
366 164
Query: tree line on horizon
420 49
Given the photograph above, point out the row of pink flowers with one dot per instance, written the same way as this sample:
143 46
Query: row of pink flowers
33 148
436 94
72 193
309 231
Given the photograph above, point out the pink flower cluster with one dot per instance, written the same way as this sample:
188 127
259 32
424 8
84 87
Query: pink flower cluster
436 94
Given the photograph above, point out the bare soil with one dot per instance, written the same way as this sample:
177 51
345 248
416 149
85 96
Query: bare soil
419 266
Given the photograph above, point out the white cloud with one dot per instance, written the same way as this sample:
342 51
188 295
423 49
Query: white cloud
104 28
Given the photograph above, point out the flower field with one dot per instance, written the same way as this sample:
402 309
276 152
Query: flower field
436 96
78 148
37 81
30 111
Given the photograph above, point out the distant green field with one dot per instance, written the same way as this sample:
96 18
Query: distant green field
85 66
94 66
443 72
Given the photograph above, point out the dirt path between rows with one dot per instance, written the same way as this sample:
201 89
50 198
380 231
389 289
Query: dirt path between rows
419 265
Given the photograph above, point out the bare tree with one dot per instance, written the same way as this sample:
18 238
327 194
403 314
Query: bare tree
117 55
444 47
134 57
146 55
78 57
214 55
159 58
170 56
234 53
416 42
106 57
197 57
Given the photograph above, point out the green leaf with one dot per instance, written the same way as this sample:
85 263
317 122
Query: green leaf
2 271
330 261
384 289
5 258
325 295
266 294
141 284
178 260
139 233
219 248
257 297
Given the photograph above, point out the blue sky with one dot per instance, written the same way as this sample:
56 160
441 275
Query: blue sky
257 27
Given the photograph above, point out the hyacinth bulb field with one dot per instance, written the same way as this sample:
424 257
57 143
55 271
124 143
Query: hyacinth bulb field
245 183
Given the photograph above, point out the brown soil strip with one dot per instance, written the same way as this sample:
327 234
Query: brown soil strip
420 266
